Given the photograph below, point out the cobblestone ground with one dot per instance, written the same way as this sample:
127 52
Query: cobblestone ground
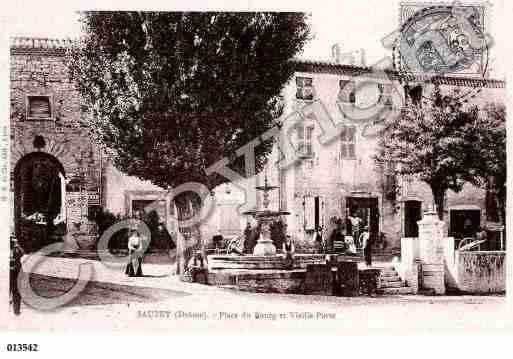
113 301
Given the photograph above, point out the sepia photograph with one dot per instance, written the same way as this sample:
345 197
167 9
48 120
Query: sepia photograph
338 168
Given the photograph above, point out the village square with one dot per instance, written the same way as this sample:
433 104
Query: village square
195 167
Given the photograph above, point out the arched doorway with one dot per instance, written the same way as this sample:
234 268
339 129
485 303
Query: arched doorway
39 204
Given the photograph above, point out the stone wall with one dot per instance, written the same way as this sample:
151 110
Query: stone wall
481 272
333 178
474 271
39 71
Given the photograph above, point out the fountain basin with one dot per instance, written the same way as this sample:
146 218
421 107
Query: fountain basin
260 280
265 274
264 247
222 262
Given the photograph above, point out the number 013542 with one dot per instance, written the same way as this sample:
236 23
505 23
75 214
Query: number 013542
22 347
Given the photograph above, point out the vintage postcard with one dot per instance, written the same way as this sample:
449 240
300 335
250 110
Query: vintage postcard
335 166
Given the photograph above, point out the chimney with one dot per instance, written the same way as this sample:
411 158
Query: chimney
336 51
360 58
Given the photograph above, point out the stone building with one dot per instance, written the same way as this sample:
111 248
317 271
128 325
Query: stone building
55 166
333 180
59 174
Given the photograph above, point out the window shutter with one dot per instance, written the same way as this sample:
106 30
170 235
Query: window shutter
321 211
39 107
308 93
352 97
346 89
343 151
350 134
350 150
343 133
308 140
309 213
300 129
304 88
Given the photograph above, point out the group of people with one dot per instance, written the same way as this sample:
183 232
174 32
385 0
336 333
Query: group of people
360 239
353 240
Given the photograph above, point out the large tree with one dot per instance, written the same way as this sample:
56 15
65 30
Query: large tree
171 93
486 156
428 143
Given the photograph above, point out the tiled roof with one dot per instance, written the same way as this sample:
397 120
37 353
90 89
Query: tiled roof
329 67
20 45
39 45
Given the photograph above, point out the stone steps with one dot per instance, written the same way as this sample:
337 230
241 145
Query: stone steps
396 284
396 291
391 283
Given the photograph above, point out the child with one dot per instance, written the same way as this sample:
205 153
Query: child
288 251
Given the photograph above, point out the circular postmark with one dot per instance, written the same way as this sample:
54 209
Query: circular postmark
446 40
441 40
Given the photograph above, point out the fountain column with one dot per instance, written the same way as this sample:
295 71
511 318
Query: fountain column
264 217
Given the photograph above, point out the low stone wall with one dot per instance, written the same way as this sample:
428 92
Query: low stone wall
408 267
480 271
260 281
216 262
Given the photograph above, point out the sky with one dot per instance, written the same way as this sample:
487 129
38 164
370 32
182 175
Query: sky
354 24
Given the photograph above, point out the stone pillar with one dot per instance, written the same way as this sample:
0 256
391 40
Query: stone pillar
431 252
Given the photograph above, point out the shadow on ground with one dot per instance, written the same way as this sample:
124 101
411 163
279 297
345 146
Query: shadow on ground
98 293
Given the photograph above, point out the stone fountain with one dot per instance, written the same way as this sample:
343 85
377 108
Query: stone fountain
265 217
263 271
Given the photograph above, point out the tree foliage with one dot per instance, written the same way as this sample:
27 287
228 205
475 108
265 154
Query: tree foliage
171 93
445 145
486 154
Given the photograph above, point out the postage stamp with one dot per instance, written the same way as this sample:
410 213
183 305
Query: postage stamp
251 170
443 39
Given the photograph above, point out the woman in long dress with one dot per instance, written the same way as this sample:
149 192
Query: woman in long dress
135 254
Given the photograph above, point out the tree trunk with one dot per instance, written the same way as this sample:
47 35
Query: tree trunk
439 198
501 211
188 239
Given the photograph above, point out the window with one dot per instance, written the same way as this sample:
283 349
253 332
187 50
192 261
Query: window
39 108
138 206
413 94
385 94
346 92
93 210
304 88
313 212
347 139
305 136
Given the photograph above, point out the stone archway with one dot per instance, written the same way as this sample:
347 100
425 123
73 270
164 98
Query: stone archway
39 202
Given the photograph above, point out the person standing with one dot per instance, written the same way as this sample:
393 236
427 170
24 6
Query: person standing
218 241
16 253
467 227
337 236
135 254
481 235
367 247
288 253
355 229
